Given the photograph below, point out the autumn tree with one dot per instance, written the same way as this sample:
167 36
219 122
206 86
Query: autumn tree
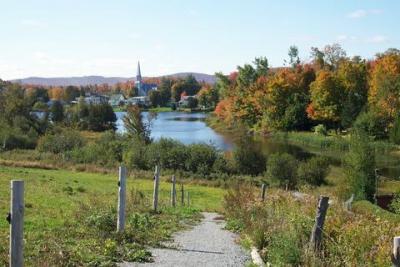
352 75
384 94
326 98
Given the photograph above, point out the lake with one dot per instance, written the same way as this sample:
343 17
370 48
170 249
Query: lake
187 128
190 128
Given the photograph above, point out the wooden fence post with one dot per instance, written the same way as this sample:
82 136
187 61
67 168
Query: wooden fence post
188 199
121 198
263 188
396 251
173 191
316 234
156 184
182 195
17 224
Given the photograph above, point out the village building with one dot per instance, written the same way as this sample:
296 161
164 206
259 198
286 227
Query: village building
143 88
116 100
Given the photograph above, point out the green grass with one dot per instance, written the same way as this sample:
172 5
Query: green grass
59 204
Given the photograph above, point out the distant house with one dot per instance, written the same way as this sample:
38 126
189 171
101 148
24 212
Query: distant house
138 100
185 100
117 100
94 99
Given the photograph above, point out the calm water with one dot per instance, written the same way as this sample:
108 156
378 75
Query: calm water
190 128
187 128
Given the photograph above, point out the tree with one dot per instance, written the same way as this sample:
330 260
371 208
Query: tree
333 55
282 168
165 89
101 118
360 166
246 76
57 111
192 102
262 66
326 98
71 93
384 93
155 98
352 75
134 125
293 53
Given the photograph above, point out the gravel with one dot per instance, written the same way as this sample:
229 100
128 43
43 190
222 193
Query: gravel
206 244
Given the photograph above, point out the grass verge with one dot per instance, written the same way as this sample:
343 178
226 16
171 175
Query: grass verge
70 217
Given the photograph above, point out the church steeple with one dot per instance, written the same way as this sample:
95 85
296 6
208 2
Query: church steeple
138 74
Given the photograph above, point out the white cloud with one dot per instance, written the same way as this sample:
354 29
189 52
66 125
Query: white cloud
378 39
360 13
346 38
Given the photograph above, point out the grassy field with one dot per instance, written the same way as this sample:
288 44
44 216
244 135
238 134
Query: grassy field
70 217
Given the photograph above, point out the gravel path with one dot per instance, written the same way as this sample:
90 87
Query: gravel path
206 244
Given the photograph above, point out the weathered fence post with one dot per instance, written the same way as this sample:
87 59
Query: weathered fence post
396 251
263 188
182 195
188 199
16 220
173 191
316 234
156 184
121 198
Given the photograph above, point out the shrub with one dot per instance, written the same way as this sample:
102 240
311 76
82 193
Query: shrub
201 158
135 154
359 166
60 141
282 168
320 129
106 151
394 133
168 153
248 158
372 124
313 171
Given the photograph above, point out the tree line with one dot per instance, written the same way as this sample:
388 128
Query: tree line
333 89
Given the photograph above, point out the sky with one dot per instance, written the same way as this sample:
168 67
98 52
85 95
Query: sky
58 38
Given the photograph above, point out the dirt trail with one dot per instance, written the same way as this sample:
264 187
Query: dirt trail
206 244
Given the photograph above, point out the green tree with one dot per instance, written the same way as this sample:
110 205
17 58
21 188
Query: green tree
134 125
293 53
282 168
155 98
262 66
57 111
359 166
352 75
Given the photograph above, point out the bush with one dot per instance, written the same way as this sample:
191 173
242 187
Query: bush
60 141
201 158
320 129
168 153
106 151
359 165
394 133
248 159
135 154
372 124
282 168
313 171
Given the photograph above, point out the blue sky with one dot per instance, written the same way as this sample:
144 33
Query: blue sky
51 38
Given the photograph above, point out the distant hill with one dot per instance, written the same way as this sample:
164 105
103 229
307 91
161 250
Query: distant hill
90 80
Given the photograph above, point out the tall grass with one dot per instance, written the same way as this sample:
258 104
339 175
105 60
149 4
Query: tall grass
281 226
